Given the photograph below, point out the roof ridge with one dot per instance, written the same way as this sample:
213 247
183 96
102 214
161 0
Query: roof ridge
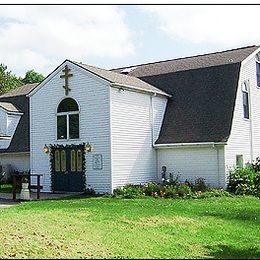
186 57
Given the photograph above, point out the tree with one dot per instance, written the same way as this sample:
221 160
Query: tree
32 76
8 81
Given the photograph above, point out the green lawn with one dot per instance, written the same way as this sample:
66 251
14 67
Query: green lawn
140 228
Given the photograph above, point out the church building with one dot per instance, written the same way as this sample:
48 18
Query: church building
87 127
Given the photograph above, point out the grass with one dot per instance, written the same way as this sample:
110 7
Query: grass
132 228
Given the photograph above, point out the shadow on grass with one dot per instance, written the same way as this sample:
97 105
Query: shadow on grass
230 252
243 215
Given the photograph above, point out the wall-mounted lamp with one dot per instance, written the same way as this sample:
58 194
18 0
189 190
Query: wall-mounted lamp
46 148
88 147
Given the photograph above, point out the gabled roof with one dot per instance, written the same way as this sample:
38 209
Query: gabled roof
121 79
20 141
9 107
21 91
190 63
203 90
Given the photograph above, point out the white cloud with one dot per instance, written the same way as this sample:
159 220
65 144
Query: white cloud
40 37
220 25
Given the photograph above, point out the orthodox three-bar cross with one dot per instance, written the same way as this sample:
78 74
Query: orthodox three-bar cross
66 76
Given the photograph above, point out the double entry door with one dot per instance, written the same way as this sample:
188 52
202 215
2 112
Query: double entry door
67 169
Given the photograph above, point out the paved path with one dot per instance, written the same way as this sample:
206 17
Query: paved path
5 203
33 195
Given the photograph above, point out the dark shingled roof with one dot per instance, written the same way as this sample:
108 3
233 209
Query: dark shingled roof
203 90
190 63
202 104
21 139
21 91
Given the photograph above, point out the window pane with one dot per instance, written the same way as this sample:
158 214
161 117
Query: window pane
63 161
258 73
79 161
68 104
245 105
239 160
61 127
73 160
57 161
74 126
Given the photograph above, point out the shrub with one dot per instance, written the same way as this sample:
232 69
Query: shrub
151 187
90 192
200 185
184 191
128 191
244 181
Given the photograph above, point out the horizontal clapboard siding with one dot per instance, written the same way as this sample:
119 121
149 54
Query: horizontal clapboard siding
194 162
92 96
18 161
132 118
239 142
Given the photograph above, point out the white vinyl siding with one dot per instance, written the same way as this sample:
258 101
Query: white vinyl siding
18 161
92 96
245 133
135 119
194 162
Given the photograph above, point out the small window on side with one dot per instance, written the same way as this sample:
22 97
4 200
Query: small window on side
258 69
245 95
239 160
258 74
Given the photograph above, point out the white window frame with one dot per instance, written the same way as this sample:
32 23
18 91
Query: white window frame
246 90
67 121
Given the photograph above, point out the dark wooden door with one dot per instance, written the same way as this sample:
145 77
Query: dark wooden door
68 169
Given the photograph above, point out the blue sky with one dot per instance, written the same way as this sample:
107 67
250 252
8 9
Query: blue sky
41 37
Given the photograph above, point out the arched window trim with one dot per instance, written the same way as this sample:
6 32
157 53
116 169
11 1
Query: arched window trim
67 120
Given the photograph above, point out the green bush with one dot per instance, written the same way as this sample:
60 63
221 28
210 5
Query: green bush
245 180
184 191
151 189
128 191
200 185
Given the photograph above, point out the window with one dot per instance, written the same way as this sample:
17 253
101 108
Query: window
258 69
57 161
68 119
79 161
239 160
63 161
73 160
245 99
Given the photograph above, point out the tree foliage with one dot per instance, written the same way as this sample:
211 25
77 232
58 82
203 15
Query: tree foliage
9 81
32 76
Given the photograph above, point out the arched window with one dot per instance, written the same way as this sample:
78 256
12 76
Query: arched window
68 119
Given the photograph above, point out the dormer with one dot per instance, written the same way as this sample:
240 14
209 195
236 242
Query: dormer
10 116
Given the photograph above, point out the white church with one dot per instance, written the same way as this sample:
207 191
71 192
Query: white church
87 127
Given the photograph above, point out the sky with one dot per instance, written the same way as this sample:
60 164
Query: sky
110 36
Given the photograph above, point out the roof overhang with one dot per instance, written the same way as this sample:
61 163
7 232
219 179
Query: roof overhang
179 145
139 90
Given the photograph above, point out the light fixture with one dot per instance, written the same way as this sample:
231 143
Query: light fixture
46 148
88 147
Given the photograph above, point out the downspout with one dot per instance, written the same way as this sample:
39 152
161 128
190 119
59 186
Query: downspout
152 119
218 166
251 123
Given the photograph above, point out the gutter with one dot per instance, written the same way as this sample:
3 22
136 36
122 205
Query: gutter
178 145
139 90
